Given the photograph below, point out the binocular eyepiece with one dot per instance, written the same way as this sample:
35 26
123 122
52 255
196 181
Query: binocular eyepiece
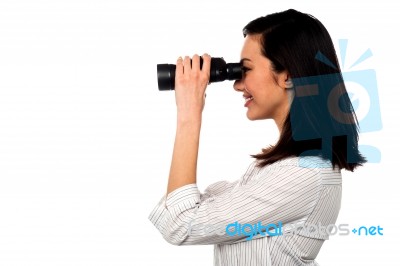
219 71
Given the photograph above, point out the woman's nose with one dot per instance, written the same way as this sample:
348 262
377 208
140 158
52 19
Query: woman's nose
238 85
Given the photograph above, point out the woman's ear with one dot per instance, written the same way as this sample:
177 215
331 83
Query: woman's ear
284 80
288 83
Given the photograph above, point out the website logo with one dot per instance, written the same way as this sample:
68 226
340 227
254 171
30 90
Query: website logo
279 229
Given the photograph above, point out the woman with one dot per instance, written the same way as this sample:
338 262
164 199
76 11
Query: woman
285 206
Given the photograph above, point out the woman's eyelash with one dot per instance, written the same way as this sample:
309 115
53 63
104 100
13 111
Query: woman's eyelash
245 69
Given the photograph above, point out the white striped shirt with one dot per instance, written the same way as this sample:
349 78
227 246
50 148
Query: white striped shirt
290 191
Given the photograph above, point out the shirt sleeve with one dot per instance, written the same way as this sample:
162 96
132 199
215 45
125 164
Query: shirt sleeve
280 194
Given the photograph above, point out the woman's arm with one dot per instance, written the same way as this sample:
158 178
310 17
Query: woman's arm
184 158
190 86
286 193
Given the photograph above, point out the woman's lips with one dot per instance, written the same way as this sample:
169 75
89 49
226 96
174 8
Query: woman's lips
248 101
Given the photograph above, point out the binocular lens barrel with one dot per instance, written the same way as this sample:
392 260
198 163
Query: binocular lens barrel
219 71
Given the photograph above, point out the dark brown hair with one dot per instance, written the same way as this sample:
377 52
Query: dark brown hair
292 40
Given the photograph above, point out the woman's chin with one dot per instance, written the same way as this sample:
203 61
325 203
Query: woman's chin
254 116
251 116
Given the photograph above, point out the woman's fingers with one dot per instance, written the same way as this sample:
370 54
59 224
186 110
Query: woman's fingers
196 63
190 68
179 66
206 66
186 65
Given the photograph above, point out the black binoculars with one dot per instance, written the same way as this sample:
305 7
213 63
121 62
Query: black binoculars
219 71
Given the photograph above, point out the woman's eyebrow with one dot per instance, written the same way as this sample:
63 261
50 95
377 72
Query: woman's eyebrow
244 59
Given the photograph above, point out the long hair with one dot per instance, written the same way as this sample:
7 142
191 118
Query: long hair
321 120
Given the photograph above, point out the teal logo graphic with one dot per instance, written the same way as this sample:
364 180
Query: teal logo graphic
249 231
368 231
321 90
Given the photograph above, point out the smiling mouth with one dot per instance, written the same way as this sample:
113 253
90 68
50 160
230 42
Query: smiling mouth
248 99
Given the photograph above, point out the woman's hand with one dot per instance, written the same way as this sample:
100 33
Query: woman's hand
190 89
190 86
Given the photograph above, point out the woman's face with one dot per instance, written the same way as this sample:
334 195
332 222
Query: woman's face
266 89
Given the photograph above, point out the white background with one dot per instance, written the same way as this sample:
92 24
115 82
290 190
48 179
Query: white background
86 138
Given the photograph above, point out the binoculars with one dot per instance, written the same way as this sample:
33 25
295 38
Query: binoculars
219 71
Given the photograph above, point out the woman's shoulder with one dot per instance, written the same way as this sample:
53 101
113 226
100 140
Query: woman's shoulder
305 165
315 163
306 162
